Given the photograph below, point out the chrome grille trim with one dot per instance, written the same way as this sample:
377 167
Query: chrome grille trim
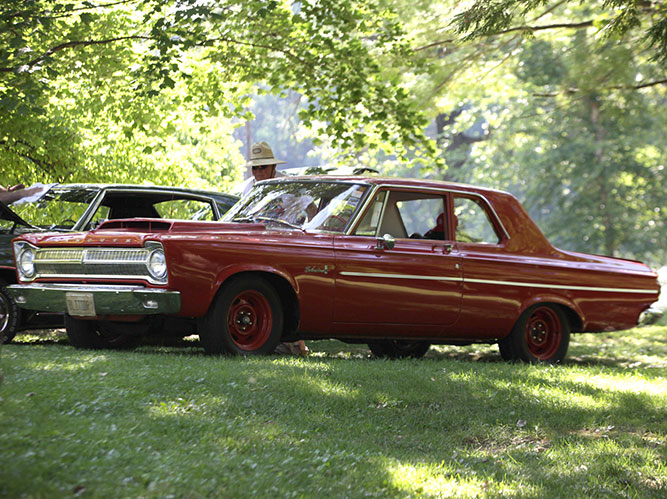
98 263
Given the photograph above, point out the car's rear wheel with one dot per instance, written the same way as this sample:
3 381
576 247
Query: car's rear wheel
246 318
10 315
541 335
399 349
97 335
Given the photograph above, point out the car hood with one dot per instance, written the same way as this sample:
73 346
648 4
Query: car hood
135 231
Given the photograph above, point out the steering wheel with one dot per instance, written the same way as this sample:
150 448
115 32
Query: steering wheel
64 224
334 222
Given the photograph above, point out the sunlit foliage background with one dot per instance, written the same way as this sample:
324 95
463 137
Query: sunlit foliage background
560 102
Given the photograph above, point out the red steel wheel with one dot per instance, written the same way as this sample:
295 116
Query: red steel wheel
541 335
544 333
249 320
245 318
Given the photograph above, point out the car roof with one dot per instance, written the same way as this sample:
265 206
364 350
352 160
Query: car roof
139 188
154 191
391 181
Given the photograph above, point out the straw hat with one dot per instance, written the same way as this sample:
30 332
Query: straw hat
261 154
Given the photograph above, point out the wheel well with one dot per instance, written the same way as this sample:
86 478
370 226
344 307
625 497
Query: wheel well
286 293
8 276
573 318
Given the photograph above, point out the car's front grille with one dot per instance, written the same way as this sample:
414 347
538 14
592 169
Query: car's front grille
78 263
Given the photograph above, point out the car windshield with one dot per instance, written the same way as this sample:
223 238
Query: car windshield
303 205
59 207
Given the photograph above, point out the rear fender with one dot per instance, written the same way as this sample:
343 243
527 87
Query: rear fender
573 312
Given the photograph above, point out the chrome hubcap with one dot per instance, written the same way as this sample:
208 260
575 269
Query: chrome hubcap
4 313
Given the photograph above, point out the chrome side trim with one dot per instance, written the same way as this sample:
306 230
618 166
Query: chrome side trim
499 283
401 276
562 286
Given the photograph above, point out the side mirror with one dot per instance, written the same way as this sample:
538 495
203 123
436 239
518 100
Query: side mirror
386 241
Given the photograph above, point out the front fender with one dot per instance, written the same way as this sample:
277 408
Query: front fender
234 270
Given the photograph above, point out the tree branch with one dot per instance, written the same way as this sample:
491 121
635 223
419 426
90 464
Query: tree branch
291 55
650 84
43 165
435 44
86 43
585 24
64 13
74 44
614 87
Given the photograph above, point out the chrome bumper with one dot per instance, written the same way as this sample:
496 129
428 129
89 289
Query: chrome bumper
92 300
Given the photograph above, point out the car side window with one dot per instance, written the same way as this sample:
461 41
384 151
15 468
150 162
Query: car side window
422 218
185 209
51 212
473 224
405 214
100 216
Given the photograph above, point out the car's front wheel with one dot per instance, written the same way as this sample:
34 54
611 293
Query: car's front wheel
541 335
399 349
10 315
245 318
97 335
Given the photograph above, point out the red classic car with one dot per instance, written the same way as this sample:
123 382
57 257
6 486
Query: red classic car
398 264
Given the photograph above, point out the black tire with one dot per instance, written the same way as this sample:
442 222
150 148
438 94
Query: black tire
245 318
399 349
95 335
541 335
10 315
505 347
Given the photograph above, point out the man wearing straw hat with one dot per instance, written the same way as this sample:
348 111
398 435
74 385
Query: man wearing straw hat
263 165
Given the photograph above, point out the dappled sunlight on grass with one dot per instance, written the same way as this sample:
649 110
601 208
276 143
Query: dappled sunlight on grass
168 420
43 336
449 478
636 384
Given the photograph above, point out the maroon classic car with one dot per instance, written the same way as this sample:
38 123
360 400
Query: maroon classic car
398 264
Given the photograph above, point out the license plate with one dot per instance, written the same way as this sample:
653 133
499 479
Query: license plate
80 304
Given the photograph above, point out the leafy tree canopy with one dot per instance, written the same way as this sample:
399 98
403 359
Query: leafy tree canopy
553 101
70 66
645 21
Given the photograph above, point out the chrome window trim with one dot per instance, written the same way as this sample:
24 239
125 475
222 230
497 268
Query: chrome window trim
441 190
87 216
369 198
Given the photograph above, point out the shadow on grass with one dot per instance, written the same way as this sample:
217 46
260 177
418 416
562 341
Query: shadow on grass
461 415
334 349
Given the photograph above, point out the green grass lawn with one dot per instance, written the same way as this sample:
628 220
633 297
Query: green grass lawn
172 422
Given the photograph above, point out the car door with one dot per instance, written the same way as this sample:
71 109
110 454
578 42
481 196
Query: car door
407 283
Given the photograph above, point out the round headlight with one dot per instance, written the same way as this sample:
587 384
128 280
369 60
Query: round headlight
157 265
25 262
